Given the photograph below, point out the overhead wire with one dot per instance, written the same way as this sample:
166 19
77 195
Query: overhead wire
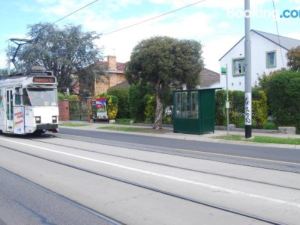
154 17
134 24
131 25
75 11
277 30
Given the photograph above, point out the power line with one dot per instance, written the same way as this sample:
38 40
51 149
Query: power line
277 29
132 25
75 11
154 17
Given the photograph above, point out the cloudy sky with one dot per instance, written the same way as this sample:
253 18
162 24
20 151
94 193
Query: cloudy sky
217 24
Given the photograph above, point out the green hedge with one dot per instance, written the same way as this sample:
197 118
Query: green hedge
283 92
138 101
236 111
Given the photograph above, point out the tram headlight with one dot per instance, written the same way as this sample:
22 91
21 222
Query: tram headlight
37 119
54 119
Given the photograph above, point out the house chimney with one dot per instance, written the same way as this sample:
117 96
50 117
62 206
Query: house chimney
112 63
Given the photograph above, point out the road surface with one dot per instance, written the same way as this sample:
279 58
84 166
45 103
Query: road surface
102 179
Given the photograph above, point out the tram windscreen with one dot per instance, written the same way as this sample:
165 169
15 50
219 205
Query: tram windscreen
42 96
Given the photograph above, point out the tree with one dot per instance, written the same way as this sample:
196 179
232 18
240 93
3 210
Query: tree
3 72
294 59
162 63
63 51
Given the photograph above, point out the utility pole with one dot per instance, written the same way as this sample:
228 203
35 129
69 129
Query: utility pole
227 101
248 89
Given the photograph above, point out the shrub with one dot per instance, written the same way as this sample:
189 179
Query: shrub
220 107
260 108
137 104
294 59
270 126
282 89
236 111
123 101
149 108
62 96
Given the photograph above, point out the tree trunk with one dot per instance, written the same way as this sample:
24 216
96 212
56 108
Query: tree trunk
158 112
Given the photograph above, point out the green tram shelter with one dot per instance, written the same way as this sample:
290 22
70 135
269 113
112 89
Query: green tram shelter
194 111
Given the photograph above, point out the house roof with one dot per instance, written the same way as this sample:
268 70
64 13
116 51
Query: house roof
208 78
284 42
104 65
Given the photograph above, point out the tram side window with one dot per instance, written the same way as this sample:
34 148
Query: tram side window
26 100
17 97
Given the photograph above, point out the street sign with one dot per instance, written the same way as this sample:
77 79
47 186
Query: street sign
224 71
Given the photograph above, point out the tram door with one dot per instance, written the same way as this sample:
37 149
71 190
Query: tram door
9 110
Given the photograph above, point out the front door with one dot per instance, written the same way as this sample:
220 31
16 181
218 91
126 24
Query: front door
9 110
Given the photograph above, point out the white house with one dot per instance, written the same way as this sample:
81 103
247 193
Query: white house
268 53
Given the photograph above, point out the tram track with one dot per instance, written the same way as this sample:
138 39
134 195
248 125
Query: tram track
101 216
168 165
156 190
252 162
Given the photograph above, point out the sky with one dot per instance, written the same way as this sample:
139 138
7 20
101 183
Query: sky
217 24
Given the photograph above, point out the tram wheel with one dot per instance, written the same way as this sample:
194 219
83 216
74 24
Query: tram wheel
39 133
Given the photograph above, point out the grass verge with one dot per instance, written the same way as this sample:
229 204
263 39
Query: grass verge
70 124
133 129
262 139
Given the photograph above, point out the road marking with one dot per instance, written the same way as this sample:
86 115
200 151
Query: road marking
214 187
203 153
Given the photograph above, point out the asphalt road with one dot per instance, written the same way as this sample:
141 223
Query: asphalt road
284 159
25 202
68 180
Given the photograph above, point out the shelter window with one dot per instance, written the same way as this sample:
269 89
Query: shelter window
186 105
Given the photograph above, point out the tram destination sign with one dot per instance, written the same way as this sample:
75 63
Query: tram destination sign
44 80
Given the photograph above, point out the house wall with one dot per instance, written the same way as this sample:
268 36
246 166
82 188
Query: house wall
101 85
116 79
259 47
108 81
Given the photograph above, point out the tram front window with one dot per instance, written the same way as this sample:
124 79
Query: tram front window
42 97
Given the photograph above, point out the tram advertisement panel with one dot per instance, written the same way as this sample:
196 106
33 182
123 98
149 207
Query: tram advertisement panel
19 120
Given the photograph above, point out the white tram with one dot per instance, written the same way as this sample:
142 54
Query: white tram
28 103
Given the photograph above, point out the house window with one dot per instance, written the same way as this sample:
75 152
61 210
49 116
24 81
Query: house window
239 67
271 59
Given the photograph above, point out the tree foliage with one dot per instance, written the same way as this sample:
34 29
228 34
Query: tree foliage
63 51
162 63
294 59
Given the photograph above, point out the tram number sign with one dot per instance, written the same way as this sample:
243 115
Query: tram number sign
44 80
